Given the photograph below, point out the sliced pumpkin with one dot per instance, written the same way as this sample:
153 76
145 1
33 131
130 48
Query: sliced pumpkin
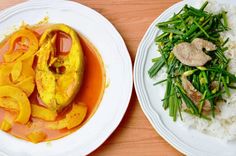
5 125
22 101
74 118
43 113
13 56
32 45
36 136
27 71
21 74
16 71
60 124
27 85
5 70
9 103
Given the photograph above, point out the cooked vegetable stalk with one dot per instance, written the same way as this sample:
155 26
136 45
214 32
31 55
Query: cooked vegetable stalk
189 25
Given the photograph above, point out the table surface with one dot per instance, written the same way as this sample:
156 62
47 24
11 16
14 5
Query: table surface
134 135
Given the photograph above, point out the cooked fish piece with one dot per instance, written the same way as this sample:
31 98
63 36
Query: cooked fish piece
201 44
194 94
192 54
58 88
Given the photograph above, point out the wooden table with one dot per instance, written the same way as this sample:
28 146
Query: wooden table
134 135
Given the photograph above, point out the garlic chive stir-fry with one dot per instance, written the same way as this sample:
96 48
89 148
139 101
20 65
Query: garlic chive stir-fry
193 52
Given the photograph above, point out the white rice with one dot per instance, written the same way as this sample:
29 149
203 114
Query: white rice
224 124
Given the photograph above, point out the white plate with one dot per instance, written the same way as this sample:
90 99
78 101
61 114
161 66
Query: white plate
118 70
188 141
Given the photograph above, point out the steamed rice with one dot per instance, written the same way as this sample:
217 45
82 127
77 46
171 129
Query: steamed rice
224 124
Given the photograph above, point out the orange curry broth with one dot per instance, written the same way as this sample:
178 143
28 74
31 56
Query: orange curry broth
90 93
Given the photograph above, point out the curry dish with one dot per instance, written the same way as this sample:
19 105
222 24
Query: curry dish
52 80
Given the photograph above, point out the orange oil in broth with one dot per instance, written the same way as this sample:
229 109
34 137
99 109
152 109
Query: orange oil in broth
90 93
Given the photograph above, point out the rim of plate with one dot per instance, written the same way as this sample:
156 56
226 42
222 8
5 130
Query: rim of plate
140 88
123 52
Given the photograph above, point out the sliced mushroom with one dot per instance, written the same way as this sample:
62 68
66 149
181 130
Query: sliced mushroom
192 54
200 44
194 95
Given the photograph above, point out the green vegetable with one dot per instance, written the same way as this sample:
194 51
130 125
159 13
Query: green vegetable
202 102
168 90
204 6
225 86
156 67
225 19
190 23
